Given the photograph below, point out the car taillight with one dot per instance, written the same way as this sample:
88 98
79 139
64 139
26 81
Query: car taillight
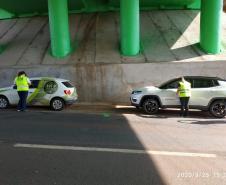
67 92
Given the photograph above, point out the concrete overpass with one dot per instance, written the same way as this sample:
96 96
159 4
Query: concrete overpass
210 35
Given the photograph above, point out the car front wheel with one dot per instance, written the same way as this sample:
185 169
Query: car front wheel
4 103
217 109
151 106
57 104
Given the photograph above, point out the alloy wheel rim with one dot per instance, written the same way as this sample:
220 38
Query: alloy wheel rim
151 106
57 104
3 103
219 109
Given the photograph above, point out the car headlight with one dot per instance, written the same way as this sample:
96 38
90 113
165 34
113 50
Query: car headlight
136 92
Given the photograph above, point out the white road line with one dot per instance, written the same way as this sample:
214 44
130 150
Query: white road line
116 150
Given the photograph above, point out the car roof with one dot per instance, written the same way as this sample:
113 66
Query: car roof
204 77
48 78
191 77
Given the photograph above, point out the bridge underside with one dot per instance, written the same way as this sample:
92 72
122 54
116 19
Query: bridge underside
210 34
21 8
166 36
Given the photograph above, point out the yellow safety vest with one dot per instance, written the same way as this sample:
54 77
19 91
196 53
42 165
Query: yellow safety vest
22 83
184 89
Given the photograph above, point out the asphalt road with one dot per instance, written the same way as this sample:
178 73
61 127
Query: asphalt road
125 147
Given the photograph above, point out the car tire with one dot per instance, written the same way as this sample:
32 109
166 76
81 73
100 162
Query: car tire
4 102
57 104
218 108
151 106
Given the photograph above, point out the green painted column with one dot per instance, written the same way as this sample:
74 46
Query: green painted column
59 28
210 27
130 27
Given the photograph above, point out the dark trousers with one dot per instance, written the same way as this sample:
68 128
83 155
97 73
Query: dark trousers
23 100
184 106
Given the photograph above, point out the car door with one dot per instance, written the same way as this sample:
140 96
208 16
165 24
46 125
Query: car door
201 92
13 95
32 98
168 93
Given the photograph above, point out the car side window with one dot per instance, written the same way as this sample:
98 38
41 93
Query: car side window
34 84
190 80
203 83
171 85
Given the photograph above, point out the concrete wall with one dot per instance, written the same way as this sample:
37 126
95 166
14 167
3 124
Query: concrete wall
114 82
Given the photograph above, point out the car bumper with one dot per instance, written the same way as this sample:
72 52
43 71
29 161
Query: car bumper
70 102
134 104
135 100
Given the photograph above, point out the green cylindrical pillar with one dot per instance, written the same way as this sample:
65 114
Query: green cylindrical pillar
210 27
59 27
130 27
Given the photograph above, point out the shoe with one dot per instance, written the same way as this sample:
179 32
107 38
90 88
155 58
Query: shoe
18 110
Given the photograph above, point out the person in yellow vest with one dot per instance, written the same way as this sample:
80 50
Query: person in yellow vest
22 82
184 93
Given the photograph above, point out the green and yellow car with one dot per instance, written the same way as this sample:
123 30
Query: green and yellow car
45 91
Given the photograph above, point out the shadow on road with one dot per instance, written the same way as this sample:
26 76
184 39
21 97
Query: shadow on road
203 122
164 113
72 167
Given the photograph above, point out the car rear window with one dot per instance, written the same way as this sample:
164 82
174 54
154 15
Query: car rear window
67 84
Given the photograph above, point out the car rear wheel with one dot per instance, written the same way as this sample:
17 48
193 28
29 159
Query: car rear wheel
57 104
4 103
151 106
217 109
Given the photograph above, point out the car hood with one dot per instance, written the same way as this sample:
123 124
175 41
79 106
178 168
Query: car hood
147 88
151 87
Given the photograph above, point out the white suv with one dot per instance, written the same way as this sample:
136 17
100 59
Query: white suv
207 93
